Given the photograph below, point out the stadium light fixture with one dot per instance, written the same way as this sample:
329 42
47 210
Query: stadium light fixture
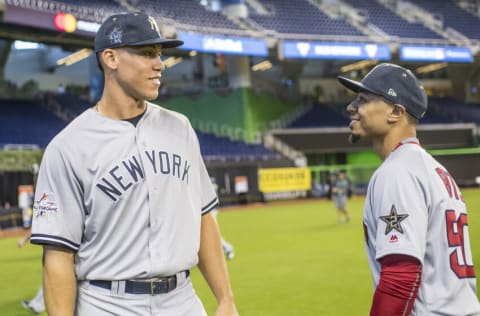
74 57
430 68
358 65
19 45
262 66
192 53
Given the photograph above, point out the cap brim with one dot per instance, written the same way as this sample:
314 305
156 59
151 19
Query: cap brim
353 85
165 43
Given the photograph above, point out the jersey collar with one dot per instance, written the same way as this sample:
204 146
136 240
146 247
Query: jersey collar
411 140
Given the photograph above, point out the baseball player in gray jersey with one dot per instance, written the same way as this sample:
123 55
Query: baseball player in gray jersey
415 219
340 187
123 199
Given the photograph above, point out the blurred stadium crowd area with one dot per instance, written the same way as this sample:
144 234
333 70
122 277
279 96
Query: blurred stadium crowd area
251 110
10 216
417 21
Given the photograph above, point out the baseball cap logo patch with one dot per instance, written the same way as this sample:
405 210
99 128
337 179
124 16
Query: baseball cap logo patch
392 92
116 36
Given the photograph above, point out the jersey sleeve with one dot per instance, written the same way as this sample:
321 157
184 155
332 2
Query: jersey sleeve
400 209
398 286
58 215
208 196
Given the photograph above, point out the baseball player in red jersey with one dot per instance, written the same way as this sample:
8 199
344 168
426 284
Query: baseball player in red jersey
123 198
415 219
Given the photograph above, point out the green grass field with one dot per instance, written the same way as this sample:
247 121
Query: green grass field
291 259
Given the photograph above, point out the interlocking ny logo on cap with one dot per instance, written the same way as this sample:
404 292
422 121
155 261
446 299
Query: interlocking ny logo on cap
154 25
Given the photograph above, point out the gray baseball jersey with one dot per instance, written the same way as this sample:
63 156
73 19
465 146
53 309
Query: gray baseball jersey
128 200
414 207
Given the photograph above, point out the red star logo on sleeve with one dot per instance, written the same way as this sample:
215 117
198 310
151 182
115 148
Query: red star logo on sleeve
393 221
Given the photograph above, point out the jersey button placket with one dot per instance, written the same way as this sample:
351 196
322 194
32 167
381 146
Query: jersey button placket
154 217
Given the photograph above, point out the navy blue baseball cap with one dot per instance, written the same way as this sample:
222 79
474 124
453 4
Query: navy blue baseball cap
131 29
396 84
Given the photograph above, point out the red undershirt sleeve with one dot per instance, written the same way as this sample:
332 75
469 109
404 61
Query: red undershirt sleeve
398 286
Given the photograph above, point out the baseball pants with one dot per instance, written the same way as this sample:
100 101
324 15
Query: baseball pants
340 201
38 303
182 301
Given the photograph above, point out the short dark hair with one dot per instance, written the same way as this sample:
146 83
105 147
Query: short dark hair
99 63
412 119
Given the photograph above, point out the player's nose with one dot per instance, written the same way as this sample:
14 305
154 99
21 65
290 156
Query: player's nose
159 65
351 107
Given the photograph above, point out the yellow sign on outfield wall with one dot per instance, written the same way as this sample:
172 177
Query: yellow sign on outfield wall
284 179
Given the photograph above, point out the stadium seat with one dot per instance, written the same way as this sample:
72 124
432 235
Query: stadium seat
25 122
390 22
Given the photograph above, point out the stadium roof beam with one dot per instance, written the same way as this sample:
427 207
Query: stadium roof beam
74 57
29 34
358 65
431 68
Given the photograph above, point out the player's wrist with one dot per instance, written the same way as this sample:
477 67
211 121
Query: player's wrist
227 307
226 299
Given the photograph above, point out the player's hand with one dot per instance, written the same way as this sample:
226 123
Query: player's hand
21 242
226 309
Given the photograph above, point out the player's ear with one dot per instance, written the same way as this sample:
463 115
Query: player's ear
396 113
109 58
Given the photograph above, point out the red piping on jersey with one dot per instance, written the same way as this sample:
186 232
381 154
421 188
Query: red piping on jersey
403 143
413 294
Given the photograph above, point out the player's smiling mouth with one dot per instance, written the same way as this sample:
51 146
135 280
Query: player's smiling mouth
155 79
353 121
